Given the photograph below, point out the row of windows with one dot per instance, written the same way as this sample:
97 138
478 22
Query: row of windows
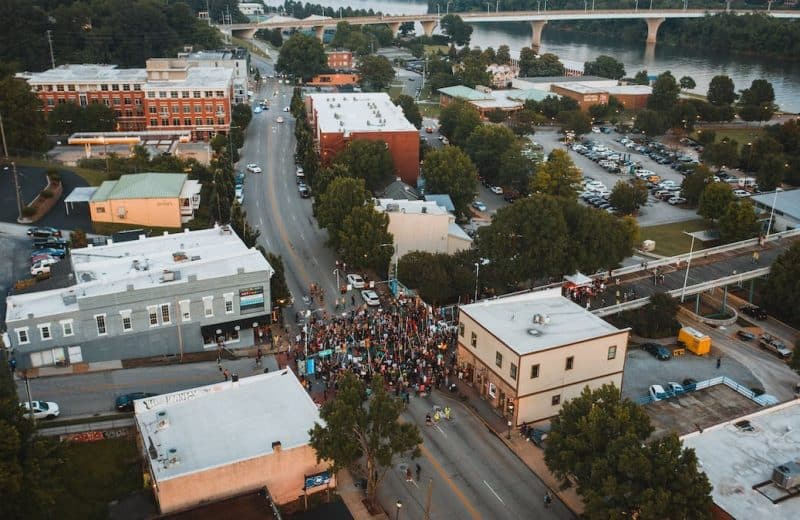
176 109
187 121
185 94
156 315
114 87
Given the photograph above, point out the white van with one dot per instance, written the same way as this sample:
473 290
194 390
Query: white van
746 182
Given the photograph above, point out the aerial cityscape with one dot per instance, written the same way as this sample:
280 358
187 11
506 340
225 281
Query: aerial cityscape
400 259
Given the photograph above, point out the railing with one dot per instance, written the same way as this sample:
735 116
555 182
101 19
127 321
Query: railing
700 385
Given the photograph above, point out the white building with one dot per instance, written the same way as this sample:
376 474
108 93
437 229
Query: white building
251 8
419 225
236 59
786 204
740 458
213 442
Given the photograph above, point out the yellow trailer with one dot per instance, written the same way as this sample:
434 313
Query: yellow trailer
694 340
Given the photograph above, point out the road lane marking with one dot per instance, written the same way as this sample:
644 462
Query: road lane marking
494 493
459 494
441 430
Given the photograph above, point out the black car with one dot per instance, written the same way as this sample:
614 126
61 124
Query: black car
43 232
754 311
124 403
659 351
745 335
52 242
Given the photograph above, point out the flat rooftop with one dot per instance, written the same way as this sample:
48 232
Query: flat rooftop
196 77
565 79
358 112
224 423
787 202
429 207
630 90
736 459
142 264
511 320
85 73
703 408
581 88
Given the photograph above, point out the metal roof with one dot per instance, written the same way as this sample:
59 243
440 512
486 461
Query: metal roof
462 92
142 186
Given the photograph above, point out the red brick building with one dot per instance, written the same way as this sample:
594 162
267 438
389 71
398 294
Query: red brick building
340 60
337 119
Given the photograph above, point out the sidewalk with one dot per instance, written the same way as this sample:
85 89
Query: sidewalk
525 450
352 497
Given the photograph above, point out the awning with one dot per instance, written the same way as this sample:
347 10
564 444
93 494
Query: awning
83 194
578 280
230 326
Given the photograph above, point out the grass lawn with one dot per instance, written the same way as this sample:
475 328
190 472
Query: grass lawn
395 90
433 49
670 239
95 474
429 110
93 177
740 135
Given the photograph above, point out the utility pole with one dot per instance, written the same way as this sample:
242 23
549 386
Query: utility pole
13 168
50 41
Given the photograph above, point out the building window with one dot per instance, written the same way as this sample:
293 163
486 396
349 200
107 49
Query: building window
186 313
100 320
175 109
104 88
187 109
209 94
555 400
461 329
498 359
220 109
137 86
196 94
127 321
154 122
534 371
71 88
164 121
176 121
570 362
198 121
115 87
210 121
513 371
612 352
126 87
165 319
165 110
152 110
208 306
228 303
185 94
473 339
152 315
60 88
137 102
187 121
66 328
174 94
116 101
209 108
22 336
198 108
220 93
162 94
127 101
44 331
151 95
220 120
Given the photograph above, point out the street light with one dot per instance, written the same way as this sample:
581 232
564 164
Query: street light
772 210
398 506
483 261
508 436
688 264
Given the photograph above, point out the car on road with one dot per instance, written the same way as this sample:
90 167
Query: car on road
304 191
48 251
480 206
674 201
371 298
124 402
286 109
754 311
257 110
356 281
44 232
253 168
745 335
774 345
41 409
429 129
657 393
43 266
279 120
741 193
497 190
239 179
658 351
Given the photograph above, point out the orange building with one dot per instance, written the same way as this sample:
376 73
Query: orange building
163 200
338 119
340 60
334 80
585 95
632 97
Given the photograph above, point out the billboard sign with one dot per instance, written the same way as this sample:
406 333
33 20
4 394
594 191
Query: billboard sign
251 299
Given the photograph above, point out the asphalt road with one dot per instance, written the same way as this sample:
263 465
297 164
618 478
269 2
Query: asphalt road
472 473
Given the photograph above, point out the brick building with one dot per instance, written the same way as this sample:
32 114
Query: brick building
340 60
337 119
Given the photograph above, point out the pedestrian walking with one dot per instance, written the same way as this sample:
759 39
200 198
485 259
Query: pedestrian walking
719 362
756 257
225 374
12 365
547 500
259 355
419 471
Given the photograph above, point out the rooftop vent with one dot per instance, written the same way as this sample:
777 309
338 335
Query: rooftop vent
180 256
534 332
392 207
168 276
424 209
162 421
787 476
744 426
172 457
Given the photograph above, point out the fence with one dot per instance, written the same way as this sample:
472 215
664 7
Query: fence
99 425
721 380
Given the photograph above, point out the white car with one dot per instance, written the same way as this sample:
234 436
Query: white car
254 168
497 190
657 393
279 120
371 298
741 193
239 194
480 206
43 266
356 281
677 200
41 409
257 110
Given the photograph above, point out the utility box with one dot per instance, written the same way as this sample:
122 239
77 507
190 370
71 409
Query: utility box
694 340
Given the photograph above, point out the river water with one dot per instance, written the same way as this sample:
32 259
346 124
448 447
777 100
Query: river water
580 47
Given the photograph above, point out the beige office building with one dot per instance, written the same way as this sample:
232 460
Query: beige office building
527 354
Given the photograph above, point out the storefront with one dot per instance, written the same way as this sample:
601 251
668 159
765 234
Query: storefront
242 333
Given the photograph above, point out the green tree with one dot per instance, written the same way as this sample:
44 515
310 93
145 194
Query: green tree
457 121
296 106
22 116
523 122
656 319
368 160
302 56
693 185
715 199
558 176
357 424
771 172
77 239
430 274
363 237
687 83
721 91
665 93
455 29
781 291
628 198
650 122
738 222
722 153
449 170
376 71
484 146
641 78
503 56
410 109
516 168
241 115
278 288
64 119
340 197
605 67
575 121
472 73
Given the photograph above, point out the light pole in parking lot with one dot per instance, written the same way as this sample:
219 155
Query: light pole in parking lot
772 210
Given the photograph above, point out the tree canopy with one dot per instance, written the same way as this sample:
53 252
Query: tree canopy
665 93
376 72
485 145
558 176
627 198
340 197
449 170
22 116
368 160
715 199
302 56
456 30
364 239
738 222
457 121
721 91
68 118
605 67
410 109
781 291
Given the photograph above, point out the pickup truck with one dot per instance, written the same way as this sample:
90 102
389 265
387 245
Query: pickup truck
774 345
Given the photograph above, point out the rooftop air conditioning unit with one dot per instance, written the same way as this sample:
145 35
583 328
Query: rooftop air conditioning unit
424 209
168 276
787 476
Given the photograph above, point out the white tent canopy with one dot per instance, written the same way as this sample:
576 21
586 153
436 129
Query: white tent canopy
83 194
578 279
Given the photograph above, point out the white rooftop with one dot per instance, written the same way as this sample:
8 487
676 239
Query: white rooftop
500 99
409 206
143 264
630 89
224 423
735 460
86 73
358 112
582 88
196 77
511 320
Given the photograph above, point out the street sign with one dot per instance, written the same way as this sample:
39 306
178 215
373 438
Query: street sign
325 353
310 366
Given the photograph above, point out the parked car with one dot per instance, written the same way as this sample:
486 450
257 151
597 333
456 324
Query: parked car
689 382
304 191
44 232
676 200
43 266
675 388
754 311
497 190
774 345
658 351
356 281
657 393
480 206
41 409
48 251
124 402
371 298
254 168
745 335
239 194
53 242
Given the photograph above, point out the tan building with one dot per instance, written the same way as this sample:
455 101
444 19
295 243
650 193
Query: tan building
528 354
164 200
419 225
585 95
214 442
340 60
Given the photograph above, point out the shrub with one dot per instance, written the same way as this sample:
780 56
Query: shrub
54 175
28 211
46 194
